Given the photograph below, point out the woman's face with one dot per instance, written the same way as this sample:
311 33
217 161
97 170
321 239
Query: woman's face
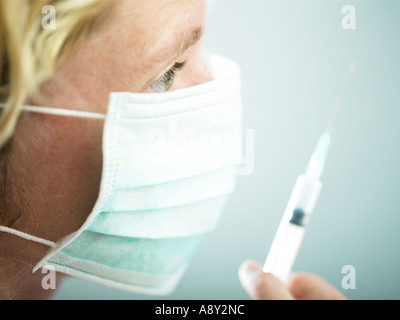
54 164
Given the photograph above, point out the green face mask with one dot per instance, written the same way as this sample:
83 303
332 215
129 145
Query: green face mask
168 168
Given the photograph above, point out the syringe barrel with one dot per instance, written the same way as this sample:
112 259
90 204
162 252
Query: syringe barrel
291 230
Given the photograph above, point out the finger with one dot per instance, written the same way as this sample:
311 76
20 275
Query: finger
305 286
260 285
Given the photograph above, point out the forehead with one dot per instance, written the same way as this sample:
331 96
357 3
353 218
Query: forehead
153 28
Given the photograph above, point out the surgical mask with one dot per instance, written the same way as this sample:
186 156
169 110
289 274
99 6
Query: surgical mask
168 167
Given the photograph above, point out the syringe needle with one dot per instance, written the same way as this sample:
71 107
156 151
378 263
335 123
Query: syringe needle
291 230
340 98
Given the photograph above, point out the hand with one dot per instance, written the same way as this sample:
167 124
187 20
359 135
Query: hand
301 286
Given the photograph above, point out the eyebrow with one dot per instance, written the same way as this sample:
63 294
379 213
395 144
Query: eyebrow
178 45
191 40
172 52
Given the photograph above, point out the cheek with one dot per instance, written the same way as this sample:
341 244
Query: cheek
56 171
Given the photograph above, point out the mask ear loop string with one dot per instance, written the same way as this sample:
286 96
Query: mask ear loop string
51 111
61 112
27 236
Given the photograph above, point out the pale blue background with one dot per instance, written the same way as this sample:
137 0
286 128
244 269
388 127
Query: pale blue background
294 56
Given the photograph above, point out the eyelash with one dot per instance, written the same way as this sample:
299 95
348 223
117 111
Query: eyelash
165 82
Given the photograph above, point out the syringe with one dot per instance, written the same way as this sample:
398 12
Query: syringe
302 201
301 204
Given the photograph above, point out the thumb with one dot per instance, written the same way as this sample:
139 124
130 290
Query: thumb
260 285
305 286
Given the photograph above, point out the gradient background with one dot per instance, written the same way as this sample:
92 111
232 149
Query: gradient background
294 57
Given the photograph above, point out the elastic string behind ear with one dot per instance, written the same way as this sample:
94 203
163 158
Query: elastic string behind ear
27 236
61 112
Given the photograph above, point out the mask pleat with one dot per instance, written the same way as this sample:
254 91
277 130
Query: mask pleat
139 282
185 191
179 221
177 148
159 256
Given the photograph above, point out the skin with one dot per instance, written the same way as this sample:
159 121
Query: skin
301 286
54 163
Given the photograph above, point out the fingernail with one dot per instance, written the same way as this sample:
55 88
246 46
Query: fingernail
248 271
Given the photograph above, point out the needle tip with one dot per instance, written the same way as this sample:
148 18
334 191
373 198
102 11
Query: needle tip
352 67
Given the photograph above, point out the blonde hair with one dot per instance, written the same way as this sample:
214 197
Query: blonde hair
30 54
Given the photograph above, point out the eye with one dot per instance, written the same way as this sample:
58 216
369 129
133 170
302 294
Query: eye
165 82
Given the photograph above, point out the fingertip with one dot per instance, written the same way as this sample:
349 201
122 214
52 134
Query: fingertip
248 271
260 285
250 266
